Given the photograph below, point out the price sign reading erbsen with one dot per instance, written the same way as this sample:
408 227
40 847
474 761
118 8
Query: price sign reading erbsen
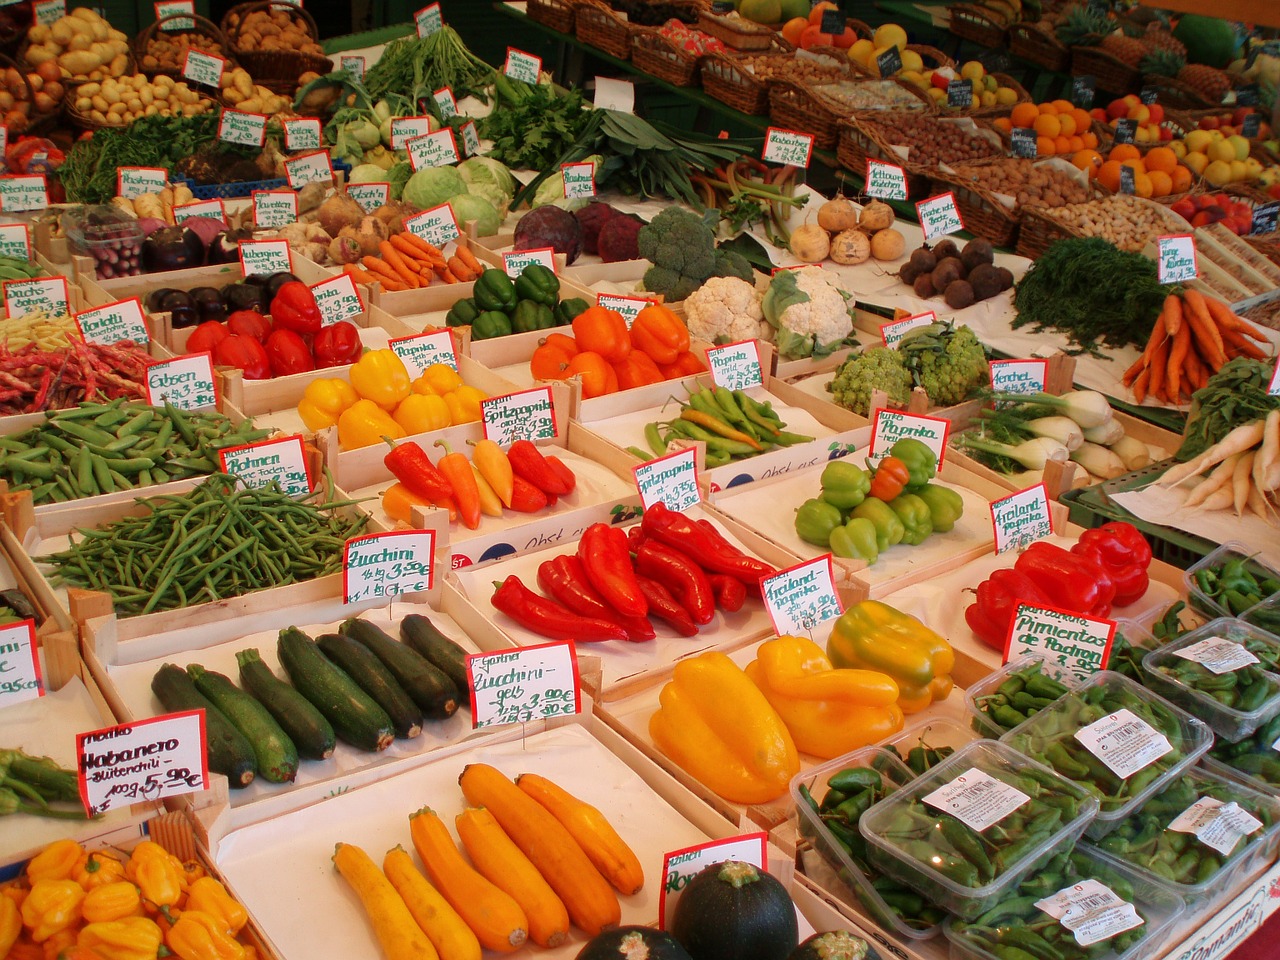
20 678
787 146
523 415
537 682
388 564
186 382
147 760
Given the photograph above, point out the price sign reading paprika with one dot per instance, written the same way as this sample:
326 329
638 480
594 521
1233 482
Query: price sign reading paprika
282 461
425 350
801 598
886 181
338 299
787 146
186 382
939 216
518 686
736 366
892 426
892 333
47 295
514 263
388 564
146 760
1021 518
523 415
681 866
1071 645
629 307
1176 258
671 480
122 320
15 241
20 678
1018 376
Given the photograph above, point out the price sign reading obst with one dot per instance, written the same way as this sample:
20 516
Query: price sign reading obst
388 564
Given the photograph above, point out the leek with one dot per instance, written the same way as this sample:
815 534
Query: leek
1063 429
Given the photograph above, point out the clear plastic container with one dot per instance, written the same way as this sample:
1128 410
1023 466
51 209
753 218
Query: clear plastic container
1051 737
1231 550
977 695
1229 722
1207 893
1265 616
934 736
938 847
111 237
1130 644
830 864
1157 905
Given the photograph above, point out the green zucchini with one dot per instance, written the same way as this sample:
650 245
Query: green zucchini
355 716
420 634
276 755
432 689
306 726
228 751
375 680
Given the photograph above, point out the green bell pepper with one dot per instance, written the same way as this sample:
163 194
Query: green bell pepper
566 310
945 505
857 538
920 460
529 315
539 284
462 314
815 520
889 529
495 291
844 484
490 324
915 516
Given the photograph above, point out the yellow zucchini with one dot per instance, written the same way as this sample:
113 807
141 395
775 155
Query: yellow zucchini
447 931
398 933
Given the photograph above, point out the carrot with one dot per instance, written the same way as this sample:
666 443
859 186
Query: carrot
445 274
406 248
358 275
398 264
1227 320
1159 364
1237 344
466 256
431 251
461 270
1177 360
384 274
1171 314
1140 385
1202 323
1194 371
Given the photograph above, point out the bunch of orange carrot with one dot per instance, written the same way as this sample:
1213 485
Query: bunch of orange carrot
1192 338
407 262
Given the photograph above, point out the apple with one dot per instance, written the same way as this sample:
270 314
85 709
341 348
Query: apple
1117 109
1097 113
1273 191
1210 123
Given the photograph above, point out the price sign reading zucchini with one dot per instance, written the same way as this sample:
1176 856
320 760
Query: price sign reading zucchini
20 678
514 263
23 193
134 182
437 226
338 299
47 295
186 382
523 415
892 426
428 20
432 150
274 208
1176 258
671 480
247 129
518 686
681 866
522 66
309 168
802 598
388 564
122 320
892 333
1018 376
1070 645
282 461
736 366
15 241
302 134
261 258
939 216
787 146
146 760
370 196
425 350
203 68
1021 518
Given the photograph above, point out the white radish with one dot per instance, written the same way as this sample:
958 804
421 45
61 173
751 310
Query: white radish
1270 468
1219 478
1133 452
1220 499
1240 482
1242 438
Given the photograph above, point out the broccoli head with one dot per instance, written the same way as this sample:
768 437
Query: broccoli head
730 263
681 242
876 369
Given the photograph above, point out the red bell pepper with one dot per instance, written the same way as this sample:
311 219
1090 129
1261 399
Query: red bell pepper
684 578
730 594
288 353
337 345
206 336
249 323
1124 553
244 353
1070 581
548 618
294 308
565 579
998 598
604 553
562 470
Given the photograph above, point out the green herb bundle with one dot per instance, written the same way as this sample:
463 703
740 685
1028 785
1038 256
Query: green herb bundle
1236 394
417 66
532 133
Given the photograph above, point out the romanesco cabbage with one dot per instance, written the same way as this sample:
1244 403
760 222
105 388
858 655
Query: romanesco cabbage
948 362
878 368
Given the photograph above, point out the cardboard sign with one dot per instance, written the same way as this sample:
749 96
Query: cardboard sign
15 240
578 179
355 66
168 8
939 216
406 128
186 382
892 333
274 208
671 480
523 415
432 150
681 866
20 678
248 129
47 295
338 299
1018 376
309 168
22 193
514 263
801 598
1082 89
388 564
1176 258
370 196
428 20
1022 143
629 307
261 258
201 208
1125 130
203 68
1070 644
446 103
122 320
134 182
522 66
518 686
1250 126
303 133
281 460
619 95
892 426
736 366
437 226
1128 185
425 350
470 139
47 12
146 760
787 147
1021 518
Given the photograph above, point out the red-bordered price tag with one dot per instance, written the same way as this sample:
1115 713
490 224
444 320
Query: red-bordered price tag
23 193
1021 518
892 333
303 133
893 425
681 866
428 20
538 682
671 480
736 366
261 258
522 415
145 760
789 147
424 350
939 216
20 677
388 565
122 320
1019 376
801 598
247 129
281 460
187 382
48 295
886 181
15 240
309 168
274 208
1071 645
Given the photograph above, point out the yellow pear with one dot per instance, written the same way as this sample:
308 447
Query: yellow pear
1241 145
911 61
1222 150
973 70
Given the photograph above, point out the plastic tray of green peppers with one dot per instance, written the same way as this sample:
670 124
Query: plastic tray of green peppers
829 801
1049 737
1017 929
927 742
1235 703
1265 616
1254 760
1132 641
1229 582
1201 874
966 870
1006 698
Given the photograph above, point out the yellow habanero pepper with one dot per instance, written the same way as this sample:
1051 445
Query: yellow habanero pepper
54 862
209 896
112 901
364 423
132 938
380 376
199 936
324 401
827 711
56 947
422 413
52 905
10 924
874 636
713 722
97 869
157 872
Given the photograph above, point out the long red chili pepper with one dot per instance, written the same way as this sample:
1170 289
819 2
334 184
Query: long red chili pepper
607 560
456 468
666 608
562 470
548 618
525 497
684 578
565 580
730 593
713 553
527 461
409 464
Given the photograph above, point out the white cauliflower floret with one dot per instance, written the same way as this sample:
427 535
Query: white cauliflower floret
809 313
725 310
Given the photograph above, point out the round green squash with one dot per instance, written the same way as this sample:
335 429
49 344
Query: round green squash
633 943
833 945
735 911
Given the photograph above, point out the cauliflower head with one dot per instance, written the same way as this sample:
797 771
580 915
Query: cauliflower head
809 313
876 369
725 310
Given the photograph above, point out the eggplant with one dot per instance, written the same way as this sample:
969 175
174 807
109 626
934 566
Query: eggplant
173 248
180 307
245 294
275 282
209 305
225 245
154 298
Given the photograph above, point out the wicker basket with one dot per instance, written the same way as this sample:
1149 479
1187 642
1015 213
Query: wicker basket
82 121
1111 73
36 124
1038 232
977 26
932 57
12 41
1002 110
661 57
983 214
735 33
1176 123
1029 42
1172 92
1267 244
728 79
277 70
214 42
598 26
921 173
556 14
798 106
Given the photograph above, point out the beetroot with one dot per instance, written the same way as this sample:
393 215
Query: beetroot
592 218
618 239
549 226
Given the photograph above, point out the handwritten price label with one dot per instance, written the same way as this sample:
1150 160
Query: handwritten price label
671 480
303 134
134 182
388 564
425 350
203 68
432 150
736 366
309 168
886 181
353 65
171 7
519 686
892 333
470 139
23 193
122 320
1069 644
787 146
579 180
20 678
48 295
801 598
261 258
1176 258
428 20
147 760
274 208
523 415
446 103
522 66
1022 143
437 226
201 208
681 866
1021 518
186 382
282 461
629 307
1018 376
1273 388
514 263
892 426
15 240
248 129
338 299
48 12
939 216
406 128
370 196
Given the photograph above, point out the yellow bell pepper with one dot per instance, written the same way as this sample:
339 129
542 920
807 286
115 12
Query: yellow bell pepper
827 711
464 404
157 872
439 378
10 924
324 401
132 938
97 869
112 901
380 376
422 413
52 905
199 936
54 862
364 423
713 722
209 896
874 636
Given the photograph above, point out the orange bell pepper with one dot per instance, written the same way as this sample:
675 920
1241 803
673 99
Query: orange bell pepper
637 370
598 378
550 362
685 365
603 331
562 342
157 872
659 333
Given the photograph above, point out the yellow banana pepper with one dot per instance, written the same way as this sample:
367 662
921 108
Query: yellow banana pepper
422 413
54 862
10 924
324 401
874 636
381 376
97 869
112 901
209 896
199 936
157 872
364 423
714 723
52 905
132 938
828 711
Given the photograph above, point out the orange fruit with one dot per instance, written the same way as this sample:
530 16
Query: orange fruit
1136 163
792 29
1083 120
1162 159
1161 183
1087 160
1067 123
1109 175
1077 143
1047 125
1142 185
1061 144
1047 107
1180 178
1003 124
1124 151
1023 115
815 15
1045 147
1064 106
1090 140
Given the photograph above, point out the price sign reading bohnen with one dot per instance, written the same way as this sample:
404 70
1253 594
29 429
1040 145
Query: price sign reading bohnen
538 682
47 295
145 760
20 678
388 564
281 460
122 320
15 240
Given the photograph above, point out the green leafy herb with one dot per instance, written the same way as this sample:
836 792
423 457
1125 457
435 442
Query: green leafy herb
418 66
1236 394
532 133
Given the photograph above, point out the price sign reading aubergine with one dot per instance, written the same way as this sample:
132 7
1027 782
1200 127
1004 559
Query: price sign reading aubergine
538 682
388 564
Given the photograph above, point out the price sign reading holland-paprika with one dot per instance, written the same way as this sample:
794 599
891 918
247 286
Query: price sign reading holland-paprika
523 415
1021 518
20 678
736 366
1070 644
671 480
122 320
538 682
801 598
280 460
787 146
886 181
146 760
892 426
388 564
1018 376
629 307
681 866
424 350
186 382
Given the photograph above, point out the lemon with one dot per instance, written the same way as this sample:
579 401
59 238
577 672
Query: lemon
891 34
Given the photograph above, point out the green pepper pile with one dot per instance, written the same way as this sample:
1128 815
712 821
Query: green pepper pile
861 513
499 306
1126 657
921 758
1245 689
1234 586
1253 756
1023 694
732 424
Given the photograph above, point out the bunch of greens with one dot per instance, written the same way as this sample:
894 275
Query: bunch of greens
531 133
1091 292
1236 394
417 66
29 784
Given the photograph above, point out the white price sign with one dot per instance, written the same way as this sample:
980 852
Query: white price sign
48 12
186 382
1176 258
353 65
611 94
406 128
432 150
939 216
247 129
147 760
787 146
203 68
303 134
736 366
338 299
892 426
370 196
629 307
578 180
15 240
522 66
437 226
425 350
886 181
22 193
802 598
671 480
1273 389
134 182
514 263
681 866
20 678
517 686
1070 645
48 295
282 460
428 20
1124 742
167 8
201 208
1018 376
446 103
274 208
470 139
1021 518
892 333
388 564
122 320
261 258
523 415
309 168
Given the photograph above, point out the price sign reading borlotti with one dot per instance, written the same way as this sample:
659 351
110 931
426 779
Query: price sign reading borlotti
886 181
681 866
186 382
892 426
338 299
892 333
1021 518
388 564
736 366
1070 645
1018 376
20 678
801 598
147 760
424 350
518 686
939 216
787 146
1176 258
48 295
671 480
122 320
282 461
523 415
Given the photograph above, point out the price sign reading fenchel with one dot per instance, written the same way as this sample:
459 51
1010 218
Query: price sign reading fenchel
186 382
1070 644
523 415
1021 518
146 760
787 146
681 866
671 480
518 686
1018 376
388 564
20 678
801 598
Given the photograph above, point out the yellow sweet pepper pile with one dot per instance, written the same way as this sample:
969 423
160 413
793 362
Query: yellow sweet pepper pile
381 401
70 902
874 636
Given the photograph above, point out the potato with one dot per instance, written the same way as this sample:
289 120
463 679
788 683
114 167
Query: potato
79 63
61 31
99 30
38 35
37 55
83 13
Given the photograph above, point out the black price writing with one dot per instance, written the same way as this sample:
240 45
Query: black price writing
1126 180
960 93
1082 91
1148 95
1126 130
722 7
1265 217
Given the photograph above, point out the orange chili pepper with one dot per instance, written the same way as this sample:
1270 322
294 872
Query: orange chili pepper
466 493
603 331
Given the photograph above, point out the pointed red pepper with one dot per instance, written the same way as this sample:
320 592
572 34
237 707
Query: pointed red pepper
527 461
666 608
565 579
547 618
604 553
409 464
684 578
